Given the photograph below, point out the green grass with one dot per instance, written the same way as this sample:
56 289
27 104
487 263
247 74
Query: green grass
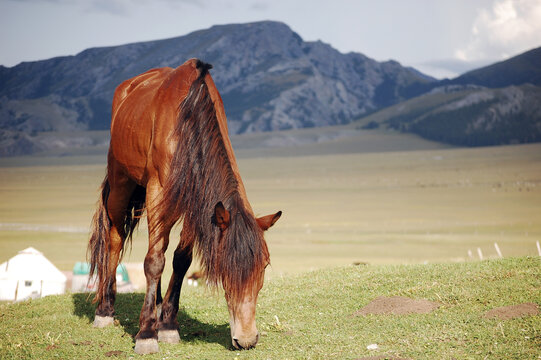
315 317
429 205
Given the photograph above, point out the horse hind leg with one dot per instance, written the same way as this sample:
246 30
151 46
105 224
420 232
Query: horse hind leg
117 206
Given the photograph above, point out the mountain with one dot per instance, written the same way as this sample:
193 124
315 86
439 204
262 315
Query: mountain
494 105
521 69
269 79
467 115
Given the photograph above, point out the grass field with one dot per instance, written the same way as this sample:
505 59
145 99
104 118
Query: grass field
383 207
409 208
309 316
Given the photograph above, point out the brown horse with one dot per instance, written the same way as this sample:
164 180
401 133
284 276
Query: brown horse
170 155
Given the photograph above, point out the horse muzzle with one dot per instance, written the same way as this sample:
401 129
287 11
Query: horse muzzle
245 344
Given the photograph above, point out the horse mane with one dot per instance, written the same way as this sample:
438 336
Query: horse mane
200 176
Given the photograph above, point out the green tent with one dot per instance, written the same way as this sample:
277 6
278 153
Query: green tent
83 268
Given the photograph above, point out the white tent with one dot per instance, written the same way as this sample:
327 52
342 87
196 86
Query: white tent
29 275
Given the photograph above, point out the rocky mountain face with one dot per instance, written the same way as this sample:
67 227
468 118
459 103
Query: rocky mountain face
269 78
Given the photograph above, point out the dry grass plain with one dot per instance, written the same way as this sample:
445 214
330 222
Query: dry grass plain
415 206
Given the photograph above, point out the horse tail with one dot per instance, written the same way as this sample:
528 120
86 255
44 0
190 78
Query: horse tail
98 246
134 212
97 251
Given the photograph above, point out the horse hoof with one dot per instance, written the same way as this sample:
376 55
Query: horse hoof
146 346
102 321
168 336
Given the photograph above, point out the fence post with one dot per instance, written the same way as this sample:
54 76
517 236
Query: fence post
498 250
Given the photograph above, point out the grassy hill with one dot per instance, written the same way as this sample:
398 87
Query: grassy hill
364 198
467 115
311 316
524 68
494 105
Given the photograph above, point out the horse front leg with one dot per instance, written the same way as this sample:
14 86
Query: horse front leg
168 324
146 340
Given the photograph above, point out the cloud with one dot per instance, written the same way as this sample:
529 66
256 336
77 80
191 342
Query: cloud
449 68
127 7
114 7
508 28
259 6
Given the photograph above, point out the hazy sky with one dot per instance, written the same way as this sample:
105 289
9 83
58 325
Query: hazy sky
439 37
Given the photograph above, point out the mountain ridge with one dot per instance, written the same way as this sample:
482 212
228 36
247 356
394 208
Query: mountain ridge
270 79
517 70
497 104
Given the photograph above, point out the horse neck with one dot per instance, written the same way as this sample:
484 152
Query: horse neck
222 123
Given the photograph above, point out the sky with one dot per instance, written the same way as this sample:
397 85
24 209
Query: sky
441 38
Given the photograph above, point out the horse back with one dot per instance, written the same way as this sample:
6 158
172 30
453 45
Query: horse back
133 114
144 114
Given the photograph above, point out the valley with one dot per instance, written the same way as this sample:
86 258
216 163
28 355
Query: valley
390 198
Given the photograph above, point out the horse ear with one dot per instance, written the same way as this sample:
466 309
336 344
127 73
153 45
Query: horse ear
266 222
221 216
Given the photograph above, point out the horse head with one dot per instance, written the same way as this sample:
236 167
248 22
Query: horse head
242 297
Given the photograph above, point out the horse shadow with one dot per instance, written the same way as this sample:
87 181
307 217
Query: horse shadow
128 307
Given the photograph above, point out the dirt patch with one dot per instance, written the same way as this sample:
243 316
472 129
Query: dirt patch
114 353
513 311
382 357
397 305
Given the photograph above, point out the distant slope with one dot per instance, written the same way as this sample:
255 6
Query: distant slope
467 115
328 140
494 105
269 78
521 69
